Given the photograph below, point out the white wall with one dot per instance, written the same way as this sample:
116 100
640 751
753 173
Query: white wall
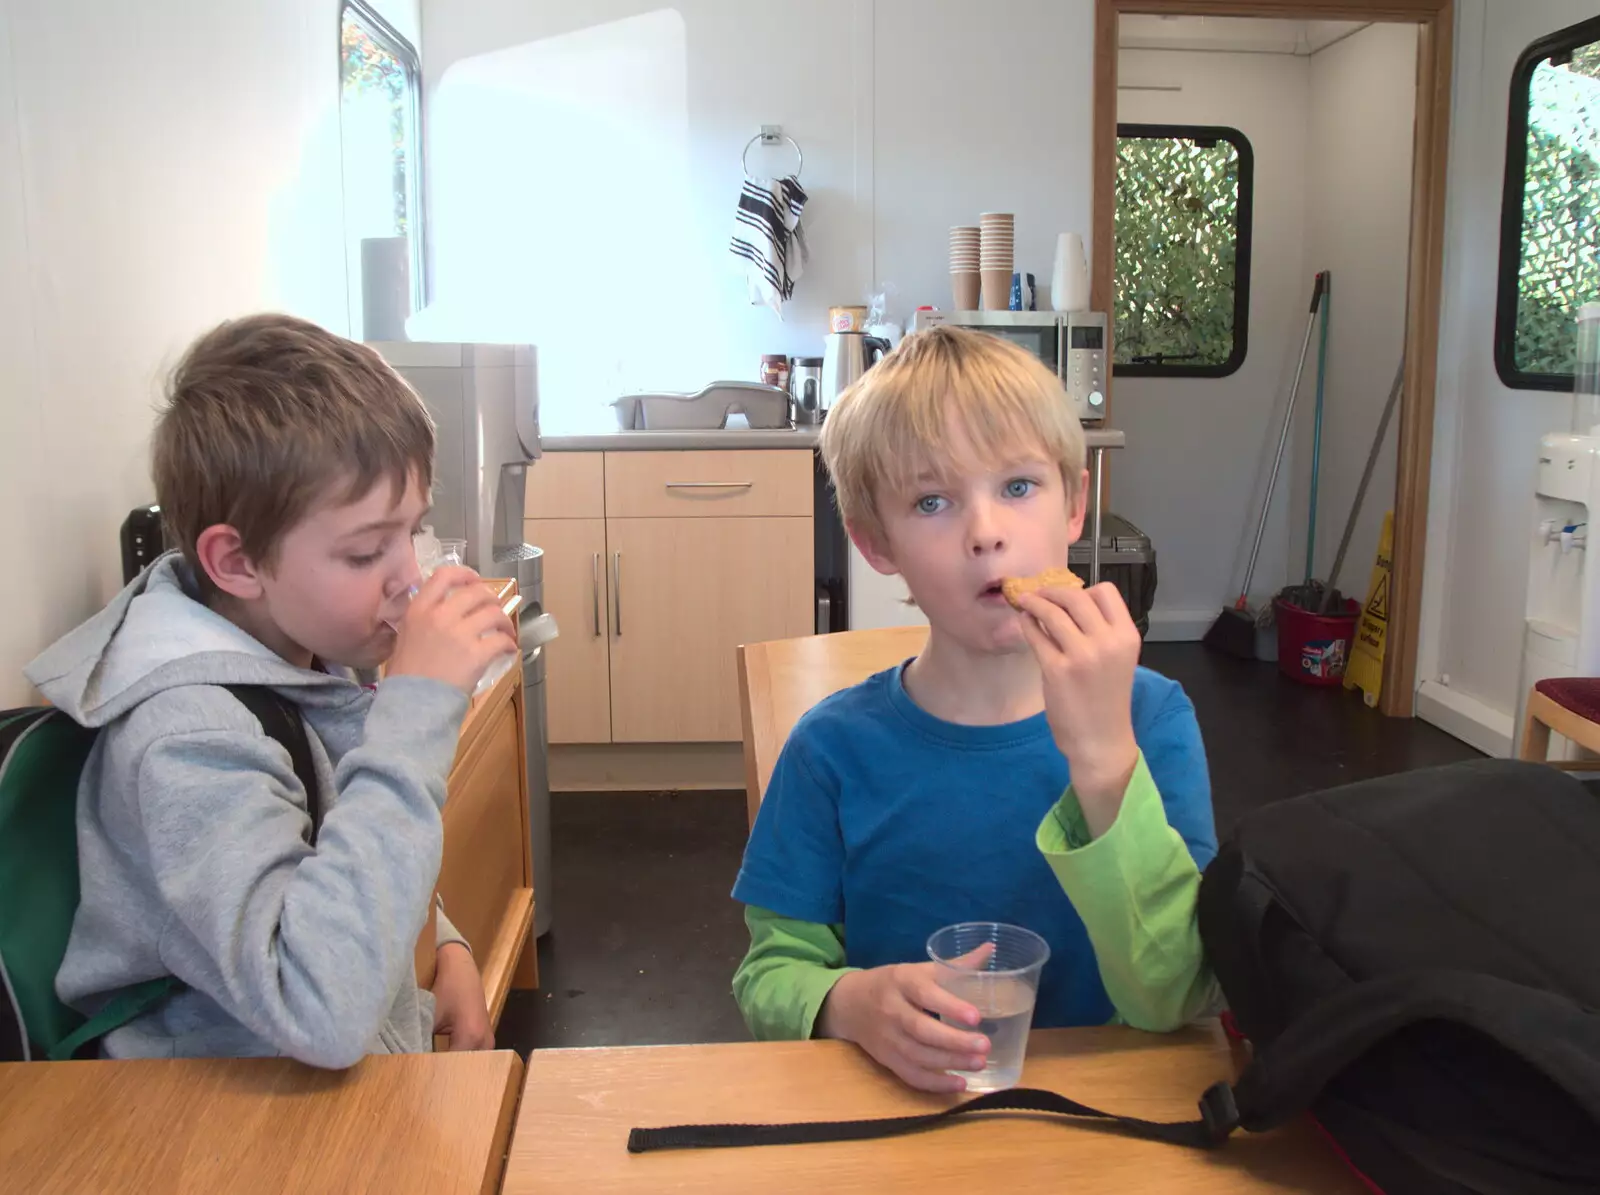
1363 104
1193 475
943 150
162 166
1485 435
667 98
585 167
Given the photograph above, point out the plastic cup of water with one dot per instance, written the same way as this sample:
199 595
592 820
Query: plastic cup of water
995 968
434 553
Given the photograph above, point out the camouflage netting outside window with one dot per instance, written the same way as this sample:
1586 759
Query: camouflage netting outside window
1561 190
1177 237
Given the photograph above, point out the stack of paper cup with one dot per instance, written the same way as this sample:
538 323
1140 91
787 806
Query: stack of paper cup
996 238
964 268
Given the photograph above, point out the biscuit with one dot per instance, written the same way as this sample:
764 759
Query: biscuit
1051 578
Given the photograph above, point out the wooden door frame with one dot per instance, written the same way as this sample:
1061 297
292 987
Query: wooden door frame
1435 21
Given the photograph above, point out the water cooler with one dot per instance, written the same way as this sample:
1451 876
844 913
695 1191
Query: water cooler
1561 633
484 400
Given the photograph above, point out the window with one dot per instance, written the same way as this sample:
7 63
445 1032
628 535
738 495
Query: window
380 84
1548 213
1184 194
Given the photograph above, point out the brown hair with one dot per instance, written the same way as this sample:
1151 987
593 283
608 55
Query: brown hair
269 415
894 422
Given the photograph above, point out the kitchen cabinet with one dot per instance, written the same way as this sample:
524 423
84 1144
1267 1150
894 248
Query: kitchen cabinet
577 590
657 566
708 484
687 593
567 485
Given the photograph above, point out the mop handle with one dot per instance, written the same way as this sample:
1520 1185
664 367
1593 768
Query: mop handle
1316 425
1366 479
1283 439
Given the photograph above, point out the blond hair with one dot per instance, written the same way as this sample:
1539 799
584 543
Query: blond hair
894 423
268 415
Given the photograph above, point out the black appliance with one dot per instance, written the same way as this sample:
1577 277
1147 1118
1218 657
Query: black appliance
144 538
832 554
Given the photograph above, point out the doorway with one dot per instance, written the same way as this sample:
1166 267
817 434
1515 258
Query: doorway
1418 31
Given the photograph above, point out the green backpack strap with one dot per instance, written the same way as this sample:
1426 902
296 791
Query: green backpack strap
42 1015
123 1007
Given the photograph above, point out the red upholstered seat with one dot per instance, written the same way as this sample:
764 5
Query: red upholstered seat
1580 694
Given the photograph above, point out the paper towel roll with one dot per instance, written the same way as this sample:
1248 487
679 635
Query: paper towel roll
385 287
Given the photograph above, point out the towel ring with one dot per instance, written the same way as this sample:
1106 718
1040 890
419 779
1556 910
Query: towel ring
772 138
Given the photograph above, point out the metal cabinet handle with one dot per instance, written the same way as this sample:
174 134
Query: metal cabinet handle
710 485
598 631
616 593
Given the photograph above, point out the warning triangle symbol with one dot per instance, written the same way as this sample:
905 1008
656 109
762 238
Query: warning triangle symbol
1378 604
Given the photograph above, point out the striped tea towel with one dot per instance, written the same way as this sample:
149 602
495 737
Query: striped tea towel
768 238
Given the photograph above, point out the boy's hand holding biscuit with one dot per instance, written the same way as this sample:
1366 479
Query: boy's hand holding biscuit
1088 649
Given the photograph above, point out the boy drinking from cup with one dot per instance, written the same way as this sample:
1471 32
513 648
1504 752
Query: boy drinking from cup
293 467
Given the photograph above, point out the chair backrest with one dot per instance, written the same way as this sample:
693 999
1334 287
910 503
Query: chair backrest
779 681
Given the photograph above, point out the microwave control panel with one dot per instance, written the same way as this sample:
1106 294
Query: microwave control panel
1084 368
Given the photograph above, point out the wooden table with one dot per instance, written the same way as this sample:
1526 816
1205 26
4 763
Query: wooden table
434 1123
578 1106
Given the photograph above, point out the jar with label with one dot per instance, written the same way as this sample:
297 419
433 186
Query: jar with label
775 370
847 319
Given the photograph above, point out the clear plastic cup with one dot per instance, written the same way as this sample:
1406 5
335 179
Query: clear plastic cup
995 968
434 553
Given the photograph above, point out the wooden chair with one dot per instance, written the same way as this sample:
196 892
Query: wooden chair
781 680
1570 707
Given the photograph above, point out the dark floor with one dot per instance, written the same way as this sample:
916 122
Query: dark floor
646 937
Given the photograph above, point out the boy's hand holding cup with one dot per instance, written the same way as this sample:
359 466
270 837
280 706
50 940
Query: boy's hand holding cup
884 1010
452 631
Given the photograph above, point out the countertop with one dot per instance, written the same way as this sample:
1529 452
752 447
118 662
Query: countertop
617 440
602 439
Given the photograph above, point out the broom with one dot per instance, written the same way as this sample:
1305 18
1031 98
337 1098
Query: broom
1234 631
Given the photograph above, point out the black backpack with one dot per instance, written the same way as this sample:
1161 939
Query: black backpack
1416 962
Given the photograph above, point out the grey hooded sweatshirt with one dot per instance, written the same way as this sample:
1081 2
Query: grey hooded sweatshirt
192 838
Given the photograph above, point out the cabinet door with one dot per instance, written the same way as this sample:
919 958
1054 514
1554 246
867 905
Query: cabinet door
483 875
566 485
686 593
575 591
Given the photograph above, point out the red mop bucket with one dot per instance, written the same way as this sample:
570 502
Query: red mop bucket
1314 648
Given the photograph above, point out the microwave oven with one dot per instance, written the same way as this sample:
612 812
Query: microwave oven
1071 343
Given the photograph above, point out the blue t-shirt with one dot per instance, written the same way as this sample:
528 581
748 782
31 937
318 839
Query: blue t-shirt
890 821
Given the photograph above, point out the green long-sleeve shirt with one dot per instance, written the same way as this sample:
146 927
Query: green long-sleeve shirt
1134 888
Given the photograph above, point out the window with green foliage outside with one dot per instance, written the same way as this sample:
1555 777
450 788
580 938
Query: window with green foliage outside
381 147
1549 267
1184 197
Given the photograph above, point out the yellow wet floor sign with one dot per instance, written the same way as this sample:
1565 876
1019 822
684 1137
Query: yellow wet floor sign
1366 654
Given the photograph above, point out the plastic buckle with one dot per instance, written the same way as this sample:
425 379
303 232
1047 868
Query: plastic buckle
1219 1112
